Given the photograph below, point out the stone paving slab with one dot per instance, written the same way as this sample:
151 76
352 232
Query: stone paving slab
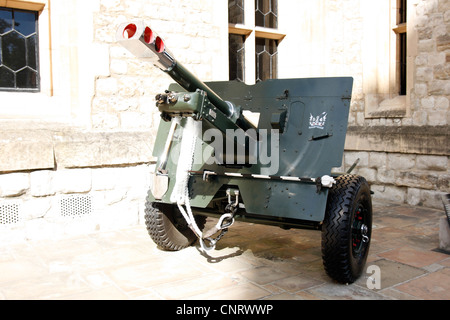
252 262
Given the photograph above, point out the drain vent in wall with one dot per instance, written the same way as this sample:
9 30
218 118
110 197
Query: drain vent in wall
76 206
9 213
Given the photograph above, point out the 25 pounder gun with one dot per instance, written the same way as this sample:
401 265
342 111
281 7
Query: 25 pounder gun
276 169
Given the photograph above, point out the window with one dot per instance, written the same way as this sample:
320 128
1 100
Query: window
387 74
253 40
266 13
237 56
401 45
236 11
266 59
19 67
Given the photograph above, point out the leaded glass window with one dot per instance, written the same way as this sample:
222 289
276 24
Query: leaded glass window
236 11
266 59
266 13
19 69
248 38
237 56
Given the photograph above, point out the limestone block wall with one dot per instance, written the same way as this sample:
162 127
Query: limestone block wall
414 179
357 39
77 157
55 203
405 155
406 137
192 30
55 183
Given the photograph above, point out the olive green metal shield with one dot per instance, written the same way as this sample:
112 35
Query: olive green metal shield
309 117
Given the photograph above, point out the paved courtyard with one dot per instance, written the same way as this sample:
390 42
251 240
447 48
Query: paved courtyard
252 262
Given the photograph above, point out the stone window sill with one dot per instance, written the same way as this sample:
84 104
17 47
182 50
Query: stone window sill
390 108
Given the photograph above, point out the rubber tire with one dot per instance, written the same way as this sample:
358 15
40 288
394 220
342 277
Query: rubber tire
350 193
167 227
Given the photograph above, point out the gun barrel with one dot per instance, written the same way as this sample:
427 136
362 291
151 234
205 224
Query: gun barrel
141 41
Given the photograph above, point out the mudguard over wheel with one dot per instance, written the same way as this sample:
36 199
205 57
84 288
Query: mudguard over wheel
167 227
347 228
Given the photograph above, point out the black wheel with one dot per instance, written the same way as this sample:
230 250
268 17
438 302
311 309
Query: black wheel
347 228
167 227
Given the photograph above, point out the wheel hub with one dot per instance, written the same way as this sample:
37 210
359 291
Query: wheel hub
364 230
360 232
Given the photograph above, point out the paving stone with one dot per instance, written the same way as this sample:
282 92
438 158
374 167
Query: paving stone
392 273
331 291
445 263
18 270
264 275
398 220
141 275
284 296
413 257
389 233
232 262
269 263
46 287
434 286
397 295
296 283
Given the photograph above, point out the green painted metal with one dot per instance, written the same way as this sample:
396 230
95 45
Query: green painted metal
311 115
187 104
191 83
302 122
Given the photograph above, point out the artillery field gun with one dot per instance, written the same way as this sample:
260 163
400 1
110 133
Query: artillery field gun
261 154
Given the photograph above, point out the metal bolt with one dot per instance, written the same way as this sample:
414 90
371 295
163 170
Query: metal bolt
172 97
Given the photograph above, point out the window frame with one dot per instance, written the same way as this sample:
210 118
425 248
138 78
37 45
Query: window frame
384 99
37 57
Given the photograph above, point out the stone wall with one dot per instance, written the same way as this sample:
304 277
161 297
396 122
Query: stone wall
406 158
75 176
70 181
414 179
54 203
356 38
124 98
432 77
